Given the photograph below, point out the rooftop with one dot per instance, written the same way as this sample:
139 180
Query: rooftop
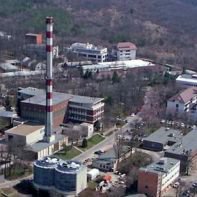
32 34
8 66
163 135
111 154
40 99
188 143
187 78
126 45
25 129
42 144
186 95
87 46
119 64
68 166
31 91
85 99
164 165
47 162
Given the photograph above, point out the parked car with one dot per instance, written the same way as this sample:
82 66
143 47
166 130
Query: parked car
99 152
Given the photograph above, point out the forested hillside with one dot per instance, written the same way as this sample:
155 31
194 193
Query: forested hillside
164 30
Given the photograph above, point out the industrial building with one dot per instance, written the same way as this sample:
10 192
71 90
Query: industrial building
65 178
81 130
32 102
31 38
25 134
185 150
186 80
30 137
162 139
89 51
155 179
34 108
126 51
116 66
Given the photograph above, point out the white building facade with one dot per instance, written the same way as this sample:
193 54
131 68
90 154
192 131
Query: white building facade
126 51
89 51
183 104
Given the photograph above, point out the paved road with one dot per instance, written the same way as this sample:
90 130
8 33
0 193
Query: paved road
106 143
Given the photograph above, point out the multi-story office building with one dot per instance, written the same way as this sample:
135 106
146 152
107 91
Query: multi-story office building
85 109
89 51
154 179
126 51
65 178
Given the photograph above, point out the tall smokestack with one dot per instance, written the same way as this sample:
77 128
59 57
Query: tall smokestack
49 78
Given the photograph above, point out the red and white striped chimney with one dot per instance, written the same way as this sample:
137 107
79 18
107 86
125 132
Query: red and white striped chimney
49 78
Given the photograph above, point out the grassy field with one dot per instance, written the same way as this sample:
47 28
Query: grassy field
68 154
93 141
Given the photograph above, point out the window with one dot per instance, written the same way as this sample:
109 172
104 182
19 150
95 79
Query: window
177 105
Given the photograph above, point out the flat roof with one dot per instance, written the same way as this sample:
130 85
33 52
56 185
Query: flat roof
117 64
164 165
163 135
42 144
85 99
25 129
31 91
188 143
8 114
186 78
40 99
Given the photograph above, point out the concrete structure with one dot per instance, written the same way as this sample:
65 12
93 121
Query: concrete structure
126 51
30 137
43 148
82 130
49 79
186 80
32 102
34 107
25 134
116 66
185 150
65 178
154 179
89 51
85 109
31 38
108 161
183 105
161 139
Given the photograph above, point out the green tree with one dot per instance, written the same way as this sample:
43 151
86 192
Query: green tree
115 78
7 104
84 143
